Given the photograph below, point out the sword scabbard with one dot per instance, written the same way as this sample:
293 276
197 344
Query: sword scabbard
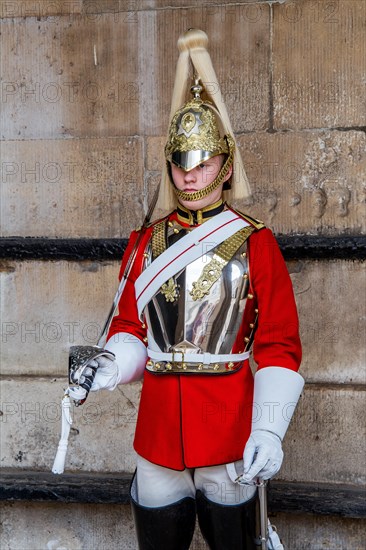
262 495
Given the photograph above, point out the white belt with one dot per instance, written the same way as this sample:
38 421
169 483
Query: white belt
204 358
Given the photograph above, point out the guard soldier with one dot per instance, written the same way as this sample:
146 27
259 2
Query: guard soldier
207 284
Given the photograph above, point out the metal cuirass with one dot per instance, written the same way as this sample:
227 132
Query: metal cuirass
209 322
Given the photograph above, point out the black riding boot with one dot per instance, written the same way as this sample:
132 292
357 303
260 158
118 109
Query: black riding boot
168 527
227 527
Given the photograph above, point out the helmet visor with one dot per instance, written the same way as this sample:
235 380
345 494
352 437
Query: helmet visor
187 160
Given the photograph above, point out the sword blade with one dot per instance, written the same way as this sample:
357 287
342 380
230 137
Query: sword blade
103 335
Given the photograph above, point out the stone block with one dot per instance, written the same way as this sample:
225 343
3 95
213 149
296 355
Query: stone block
76 526
105 6
319 64
155 153
310 532
332 321
72 188
69 77
101 435
49 8
326 438
110 74
58 304
307 182
51 526
39 8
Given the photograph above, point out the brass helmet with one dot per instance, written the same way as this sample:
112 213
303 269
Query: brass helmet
199 129
196 135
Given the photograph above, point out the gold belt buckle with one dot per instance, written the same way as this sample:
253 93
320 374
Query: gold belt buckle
183 364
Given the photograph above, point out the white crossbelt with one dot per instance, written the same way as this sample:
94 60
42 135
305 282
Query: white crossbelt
204 358
190 247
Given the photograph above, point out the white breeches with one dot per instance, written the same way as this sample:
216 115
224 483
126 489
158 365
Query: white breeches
159 486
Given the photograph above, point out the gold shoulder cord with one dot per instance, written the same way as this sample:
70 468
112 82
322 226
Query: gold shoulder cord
226 250
158 240
158 244
212 271
258 224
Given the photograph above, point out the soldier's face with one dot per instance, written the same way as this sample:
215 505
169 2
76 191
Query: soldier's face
198 178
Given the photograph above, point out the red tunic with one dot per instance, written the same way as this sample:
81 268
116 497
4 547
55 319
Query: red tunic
188 421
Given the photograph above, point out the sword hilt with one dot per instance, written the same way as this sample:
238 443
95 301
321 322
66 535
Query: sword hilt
80 371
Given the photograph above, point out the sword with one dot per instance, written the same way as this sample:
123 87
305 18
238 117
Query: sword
268 538
80 356
127 271
263 541
81 375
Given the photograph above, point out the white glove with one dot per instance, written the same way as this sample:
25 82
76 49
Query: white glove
131 357
103 373
276 393
263 455
107 374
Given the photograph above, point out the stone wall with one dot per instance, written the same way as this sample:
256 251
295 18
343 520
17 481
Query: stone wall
85 95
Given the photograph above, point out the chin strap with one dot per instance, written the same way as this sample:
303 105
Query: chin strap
202 193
